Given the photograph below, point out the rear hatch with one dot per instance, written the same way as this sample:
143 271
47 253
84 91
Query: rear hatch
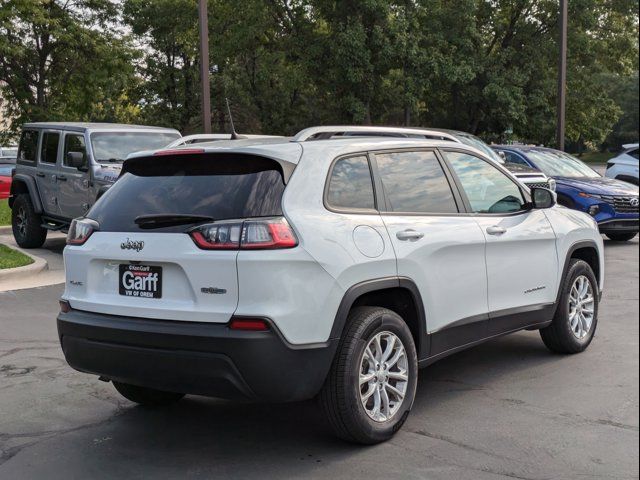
148 257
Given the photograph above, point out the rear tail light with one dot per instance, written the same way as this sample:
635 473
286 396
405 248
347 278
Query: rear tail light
249 324
255 234
80 231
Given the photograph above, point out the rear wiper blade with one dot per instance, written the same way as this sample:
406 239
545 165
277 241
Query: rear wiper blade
169 219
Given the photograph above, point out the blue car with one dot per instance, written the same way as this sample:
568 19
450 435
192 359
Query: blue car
613 203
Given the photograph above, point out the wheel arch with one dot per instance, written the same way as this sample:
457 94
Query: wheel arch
398 294
25 184
586 251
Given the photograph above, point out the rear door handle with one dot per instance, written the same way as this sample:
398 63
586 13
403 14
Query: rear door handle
41 175
62 178
409 235
495 230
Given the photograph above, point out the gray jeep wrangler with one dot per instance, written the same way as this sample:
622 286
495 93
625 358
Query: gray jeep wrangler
63 168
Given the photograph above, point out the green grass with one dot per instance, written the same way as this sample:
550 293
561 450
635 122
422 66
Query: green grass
5 213
10 258
596 157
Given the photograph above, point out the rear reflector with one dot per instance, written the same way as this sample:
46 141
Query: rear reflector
249 324
65 307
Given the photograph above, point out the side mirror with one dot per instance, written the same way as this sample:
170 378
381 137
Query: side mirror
77 160
543 198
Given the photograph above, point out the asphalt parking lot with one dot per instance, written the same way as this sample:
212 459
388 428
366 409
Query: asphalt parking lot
506 409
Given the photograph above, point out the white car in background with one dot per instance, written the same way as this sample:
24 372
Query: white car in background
625 166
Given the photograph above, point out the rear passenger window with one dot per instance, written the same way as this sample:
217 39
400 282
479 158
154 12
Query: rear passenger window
634 153
28 146
49 151
350 185
414 182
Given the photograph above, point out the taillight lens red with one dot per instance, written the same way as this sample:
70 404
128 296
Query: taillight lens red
249 324
218 236
179 151
254 234
80 231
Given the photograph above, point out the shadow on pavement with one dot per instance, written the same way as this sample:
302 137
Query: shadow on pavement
202 436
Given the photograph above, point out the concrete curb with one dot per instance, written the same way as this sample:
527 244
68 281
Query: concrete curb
6 230
38 265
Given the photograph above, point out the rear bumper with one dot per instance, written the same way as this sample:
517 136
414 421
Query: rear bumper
619 226
193 357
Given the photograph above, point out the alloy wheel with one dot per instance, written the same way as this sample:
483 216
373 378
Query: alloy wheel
581 307
384 376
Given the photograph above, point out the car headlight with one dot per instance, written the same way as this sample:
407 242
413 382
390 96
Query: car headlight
590 195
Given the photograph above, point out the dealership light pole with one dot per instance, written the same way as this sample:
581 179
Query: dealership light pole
562 76
203 25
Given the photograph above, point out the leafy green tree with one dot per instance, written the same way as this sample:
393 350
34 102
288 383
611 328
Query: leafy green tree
62 60
168 36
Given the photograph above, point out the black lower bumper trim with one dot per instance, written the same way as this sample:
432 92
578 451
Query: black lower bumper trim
193 358
619 226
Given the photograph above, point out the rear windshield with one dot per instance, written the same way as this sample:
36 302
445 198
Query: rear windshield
113 147
220 187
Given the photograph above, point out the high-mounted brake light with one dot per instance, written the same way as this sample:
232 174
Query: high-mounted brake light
249 324
179 151
254 234
80 231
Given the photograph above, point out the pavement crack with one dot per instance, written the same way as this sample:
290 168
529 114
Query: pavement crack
465 446
7 453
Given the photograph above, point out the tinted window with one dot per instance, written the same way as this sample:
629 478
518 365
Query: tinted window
116 146
487 188
28 146
555 163
74 143
515 158
49 150
221 187
350 185
634 153
414 182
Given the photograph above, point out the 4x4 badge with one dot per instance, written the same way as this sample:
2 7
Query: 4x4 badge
135 245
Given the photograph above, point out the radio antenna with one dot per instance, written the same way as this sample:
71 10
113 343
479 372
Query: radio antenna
234 134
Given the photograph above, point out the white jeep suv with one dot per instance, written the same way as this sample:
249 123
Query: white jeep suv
280 270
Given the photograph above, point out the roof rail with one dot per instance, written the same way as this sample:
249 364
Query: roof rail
326 132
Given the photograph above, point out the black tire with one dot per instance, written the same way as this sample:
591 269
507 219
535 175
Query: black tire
621 237
340 396
559 337
146 396
26 223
